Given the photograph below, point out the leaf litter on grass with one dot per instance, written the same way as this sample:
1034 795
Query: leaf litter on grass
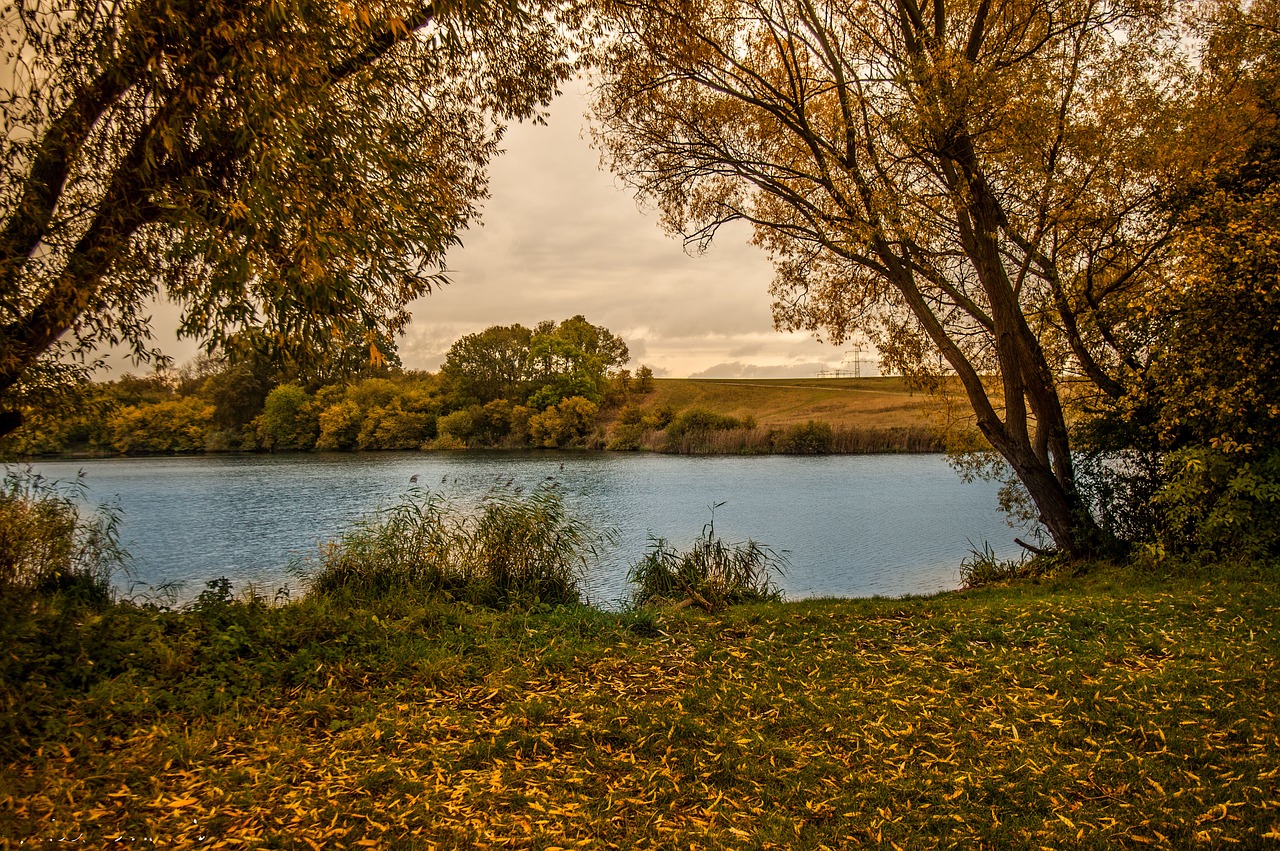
1131 717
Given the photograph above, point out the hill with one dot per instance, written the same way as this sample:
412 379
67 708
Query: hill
777 403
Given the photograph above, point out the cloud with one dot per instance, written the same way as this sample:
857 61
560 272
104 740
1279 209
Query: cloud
737 369
560 237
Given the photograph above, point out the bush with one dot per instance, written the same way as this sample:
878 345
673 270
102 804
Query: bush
811 438
700 419
711 573
444 443
1219 504
393 427
178 425
565 423
48 547
515 547
458 425
340 426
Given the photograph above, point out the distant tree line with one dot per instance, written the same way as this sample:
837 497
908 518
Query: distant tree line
506 386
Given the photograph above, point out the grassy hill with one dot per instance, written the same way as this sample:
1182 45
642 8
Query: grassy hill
752 416
780 402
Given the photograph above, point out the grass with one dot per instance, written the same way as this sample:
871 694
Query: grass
713 573
1113 710
861 403
770 416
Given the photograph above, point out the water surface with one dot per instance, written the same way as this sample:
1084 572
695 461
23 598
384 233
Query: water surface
854 526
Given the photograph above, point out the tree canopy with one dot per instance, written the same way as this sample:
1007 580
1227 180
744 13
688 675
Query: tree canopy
294 170
979 186
542 365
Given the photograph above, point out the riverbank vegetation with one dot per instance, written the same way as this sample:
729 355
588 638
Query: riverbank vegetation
556 385
1122 708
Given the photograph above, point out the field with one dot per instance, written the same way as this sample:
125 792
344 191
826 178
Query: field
777 403
1113 710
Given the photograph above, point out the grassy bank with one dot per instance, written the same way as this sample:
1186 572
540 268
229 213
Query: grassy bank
1107 711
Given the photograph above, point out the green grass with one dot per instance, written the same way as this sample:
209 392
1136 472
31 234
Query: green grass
713 572
1115 710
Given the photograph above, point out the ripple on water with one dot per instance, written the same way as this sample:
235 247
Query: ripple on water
853 525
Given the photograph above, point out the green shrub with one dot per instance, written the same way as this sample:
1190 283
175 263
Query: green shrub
513 547
458 425
700 419
625 437
564 424
1219 504
393 427
711 573
340 426
445 443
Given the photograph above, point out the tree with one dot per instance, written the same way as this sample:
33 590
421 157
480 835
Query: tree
573 358
550 362
238 393
295 170
967 182
594 340
1206 413
289 419
490 364
1215 364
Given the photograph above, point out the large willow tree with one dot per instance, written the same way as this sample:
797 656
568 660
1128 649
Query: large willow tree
976 181
289 171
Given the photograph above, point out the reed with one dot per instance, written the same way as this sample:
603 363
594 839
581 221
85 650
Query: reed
50 546
712 573
513 548
812 438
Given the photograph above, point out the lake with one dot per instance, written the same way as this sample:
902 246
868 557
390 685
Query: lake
853 526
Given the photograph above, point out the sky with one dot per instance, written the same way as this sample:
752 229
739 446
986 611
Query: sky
559 236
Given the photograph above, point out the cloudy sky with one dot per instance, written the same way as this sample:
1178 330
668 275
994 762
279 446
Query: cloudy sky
561 237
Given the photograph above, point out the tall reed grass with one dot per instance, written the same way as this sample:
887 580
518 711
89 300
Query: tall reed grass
513 548
49 545
802 438
711 573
